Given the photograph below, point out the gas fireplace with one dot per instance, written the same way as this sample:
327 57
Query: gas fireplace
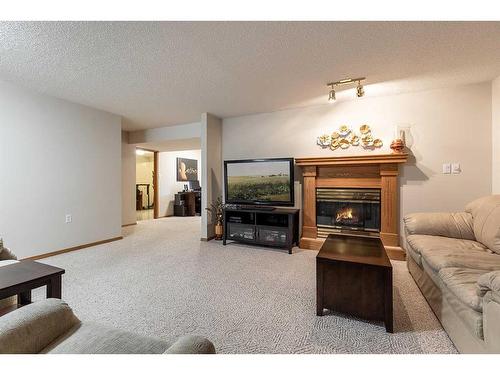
347 210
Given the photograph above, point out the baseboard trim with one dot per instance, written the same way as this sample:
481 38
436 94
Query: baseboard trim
128 225
74 248
395 252
207 239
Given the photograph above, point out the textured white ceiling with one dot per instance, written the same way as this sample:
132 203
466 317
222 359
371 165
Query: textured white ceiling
164 73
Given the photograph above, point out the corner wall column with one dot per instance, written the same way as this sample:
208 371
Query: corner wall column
211 170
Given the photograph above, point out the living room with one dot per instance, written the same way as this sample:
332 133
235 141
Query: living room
306 187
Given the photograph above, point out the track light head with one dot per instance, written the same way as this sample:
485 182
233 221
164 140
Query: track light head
360 90
331 95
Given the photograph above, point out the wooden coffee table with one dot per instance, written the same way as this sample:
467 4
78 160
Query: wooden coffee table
354 276
22 277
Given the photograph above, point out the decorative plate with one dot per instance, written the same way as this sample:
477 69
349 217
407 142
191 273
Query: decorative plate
344 130
335 144
364 129
367 141
346 137
344 143
323 140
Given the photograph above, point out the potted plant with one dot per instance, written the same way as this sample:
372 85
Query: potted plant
216 209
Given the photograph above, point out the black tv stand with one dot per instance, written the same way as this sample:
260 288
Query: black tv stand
260 225
256 208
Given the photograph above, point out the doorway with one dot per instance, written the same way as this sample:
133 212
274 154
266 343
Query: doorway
146 184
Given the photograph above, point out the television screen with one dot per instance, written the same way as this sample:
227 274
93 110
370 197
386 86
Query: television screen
259 181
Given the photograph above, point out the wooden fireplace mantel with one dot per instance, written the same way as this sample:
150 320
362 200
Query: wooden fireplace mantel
352 160
361 171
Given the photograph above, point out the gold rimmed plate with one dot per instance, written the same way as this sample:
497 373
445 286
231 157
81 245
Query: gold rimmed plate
344 143
323 140
364 129
344 130
335 144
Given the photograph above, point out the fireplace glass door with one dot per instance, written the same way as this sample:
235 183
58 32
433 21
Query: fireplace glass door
351 209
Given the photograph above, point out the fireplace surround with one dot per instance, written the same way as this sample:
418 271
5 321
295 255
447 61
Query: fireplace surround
370 171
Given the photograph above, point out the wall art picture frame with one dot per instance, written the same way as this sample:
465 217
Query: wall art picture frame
187 169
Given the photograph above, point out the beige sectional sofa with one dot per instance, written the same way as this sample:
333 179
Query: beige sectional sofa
50 327
455 260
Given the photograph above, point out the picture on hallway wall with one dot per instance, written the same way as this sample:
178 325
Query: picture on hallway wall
187 169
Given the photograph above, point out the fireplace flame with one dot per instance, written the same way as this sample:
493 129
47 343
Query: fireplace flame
344 214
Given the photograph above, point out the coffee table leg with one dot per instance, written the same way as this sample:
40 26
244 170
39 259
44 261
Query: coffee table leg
319 289
389 321
54 288
24 298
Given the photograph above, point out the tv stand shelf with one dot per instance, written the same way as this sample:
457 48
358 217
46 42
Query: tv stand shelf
276 228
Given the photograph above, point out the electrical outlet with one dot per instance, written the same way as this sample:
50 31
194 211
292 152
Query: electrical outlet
69 218
455 168
446 168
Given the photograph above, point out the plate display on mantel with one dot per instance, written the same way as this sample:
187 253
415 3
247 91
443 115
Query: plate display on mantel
345 137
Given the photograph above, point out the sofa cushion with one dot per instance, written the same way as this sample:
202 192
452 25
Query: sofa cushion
6 254
472 319
486 221
437 259
418 242
455 225
488 282
92 338
462 282
414 255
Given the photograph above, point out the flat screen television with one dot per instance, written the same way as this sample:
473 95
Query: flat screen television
259 182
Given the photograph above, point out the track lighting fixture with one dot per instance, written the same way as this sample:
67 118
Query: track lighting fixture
359 88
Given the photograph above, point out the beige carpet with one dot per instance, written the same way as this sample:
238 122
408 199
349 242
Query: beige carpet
160 280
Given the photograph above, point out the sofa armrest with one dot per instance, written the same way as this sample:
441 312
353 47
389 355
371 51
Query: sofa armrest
488 287
455 225
191 345
491 321
31 328
6 254
488 282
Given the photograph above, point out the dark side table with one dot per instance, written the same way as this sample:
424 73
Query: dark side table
22 277
354 276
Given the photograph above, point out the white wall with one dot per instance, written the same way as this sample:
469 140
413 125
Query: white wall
211 171
495 118
57 158
182 131
168 184
128 181
447 125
